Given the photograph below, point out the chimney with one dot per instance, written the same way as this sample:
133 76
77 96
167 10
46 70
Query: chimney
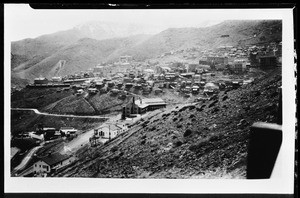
141 100
133 102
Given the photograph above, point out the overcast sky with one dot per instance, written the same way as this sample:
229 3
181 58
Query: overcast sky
24 22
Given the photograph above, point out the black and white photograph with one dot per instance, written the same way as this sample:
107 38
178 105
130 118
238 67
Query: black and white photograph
166 100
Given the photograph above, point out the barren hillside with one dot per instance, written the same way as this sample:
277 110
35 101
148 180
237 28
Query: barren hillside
203 140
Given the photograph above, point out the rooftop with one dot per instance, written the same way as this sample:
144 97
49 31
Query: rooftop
112 127
48 128
40 78
67 128
149 101
54 158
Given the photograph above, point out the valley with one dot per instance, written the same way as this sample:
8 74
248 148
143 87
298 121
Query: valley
176 104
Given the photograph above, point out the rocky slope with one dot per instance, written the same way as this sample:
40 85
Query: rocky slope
203 140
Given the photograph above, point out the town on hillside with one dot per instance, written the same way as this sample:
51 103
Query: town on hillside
144 87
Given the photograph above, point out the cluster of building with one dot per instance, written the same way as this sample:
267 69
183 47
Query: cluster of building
239 59
48 133
126 75
41 166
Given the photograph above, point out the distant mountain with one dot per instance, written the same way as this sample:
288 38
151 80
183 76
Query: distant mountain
88 44
101 30
240 33
81 55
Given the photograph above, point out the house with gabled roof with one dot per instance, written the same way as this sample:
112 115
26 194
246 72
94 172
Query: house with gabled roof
141 106
110 130
52 162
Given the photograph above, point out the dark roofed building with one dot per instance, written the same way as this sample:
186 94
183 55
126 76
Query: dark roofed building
142 106
51 163
266 62
41 80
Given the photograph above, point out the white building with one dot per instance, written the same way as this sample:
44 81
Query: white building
51 163
56 79
68 130
109 131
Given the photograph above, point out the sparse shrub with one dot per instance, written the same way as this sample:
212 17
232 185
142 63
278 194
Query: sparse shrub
216 138
192 116
165 115
177 143
187 133
199 109
257 93
153 128
179 126
174 119
225 98
183 108
145 123
143 142
192 107
114 149
216 109
196 147
212 104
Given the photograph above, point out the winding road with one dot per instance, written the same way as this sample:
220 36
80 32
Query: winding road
57 115
26 159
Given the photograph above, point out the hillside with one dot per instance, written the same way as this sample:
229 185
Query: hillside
101 30
203 140
25 121
91 105
35 57
53 100
84 54
240 33
37 98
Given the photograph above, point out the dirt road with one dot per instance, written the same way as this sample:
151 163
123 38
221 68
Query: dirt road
82 139
26 159
57 115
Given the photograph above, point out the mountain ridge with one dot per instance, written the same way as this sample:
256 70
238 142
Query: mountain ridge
37 57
